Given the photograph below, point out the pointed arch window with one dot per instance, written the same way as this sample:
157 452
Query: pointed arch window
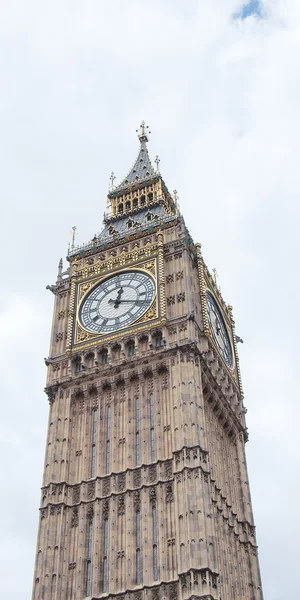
137 431
138 546
94 433
131 348
107 465
105 551
89 558
152 433
154 540
104 356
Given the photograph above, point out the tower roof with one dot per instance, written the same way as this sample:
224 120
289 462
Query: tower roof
142 168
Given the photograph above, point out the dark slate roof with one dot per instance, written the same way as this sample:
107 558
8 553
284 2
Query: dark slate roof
139 222
121 229
142 168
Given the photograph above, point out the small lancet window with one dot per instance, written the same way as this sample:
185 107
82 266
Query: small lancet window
104 357
150 197
158 339
77 365
131 348
128 205
143 200
135 203
121 208
149 217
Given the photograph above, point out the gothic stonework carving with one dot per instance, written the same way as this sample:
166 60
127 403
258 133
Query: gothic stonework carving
105 509
137 478
121 482
168 469
169 493
76 494
152 474
121 505
106 487
91 490
75 517
136 500
152 495
173 591
90 511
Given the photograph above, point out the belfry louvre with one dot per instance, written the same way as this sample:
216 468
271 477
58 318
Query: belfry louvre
145 492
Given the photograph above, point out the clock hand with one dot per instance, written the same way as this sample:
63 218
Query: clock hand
119 293
117 302
132 301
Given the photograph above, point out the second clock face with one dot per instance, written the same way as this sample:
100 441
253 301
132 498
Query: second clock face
219 329
117 302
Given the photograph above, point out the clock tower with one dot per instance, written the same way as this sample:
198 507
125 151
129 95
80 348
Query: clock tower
145 492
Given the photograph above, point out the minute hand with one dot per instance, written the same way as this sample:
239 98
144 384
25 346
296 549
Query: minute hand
133 301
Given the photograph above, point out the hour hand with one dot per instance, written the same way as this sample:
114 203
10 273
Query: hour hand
117 300
119 293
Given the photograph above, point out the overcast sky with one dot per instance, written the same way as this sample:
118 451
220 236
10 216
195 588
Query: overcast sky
218 83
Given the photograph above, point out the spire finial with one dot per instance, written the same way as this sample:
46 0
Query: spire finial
60 268
143 132
111 179
73 237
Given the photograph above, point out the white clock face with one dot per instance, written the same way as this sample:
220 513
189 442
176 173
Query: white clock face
117 302
219 329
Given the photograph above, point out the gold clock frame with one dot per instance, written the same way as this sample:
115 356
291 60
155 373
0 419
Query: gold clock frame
206 282
80 338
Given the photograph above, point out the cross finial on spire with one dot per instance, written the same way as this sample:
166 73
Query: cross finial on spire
112 178
143 132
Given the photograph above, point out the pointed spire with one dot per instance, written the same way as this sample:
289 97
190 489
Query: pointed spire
60 268
142 168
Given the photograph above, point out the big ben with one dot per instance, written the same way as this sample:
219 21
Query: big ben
145 492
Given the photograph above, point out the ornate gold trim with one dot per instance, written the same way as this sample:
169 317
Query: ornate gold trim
237 360
81 334
228 326
71 316
202 284
162 280
82 268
